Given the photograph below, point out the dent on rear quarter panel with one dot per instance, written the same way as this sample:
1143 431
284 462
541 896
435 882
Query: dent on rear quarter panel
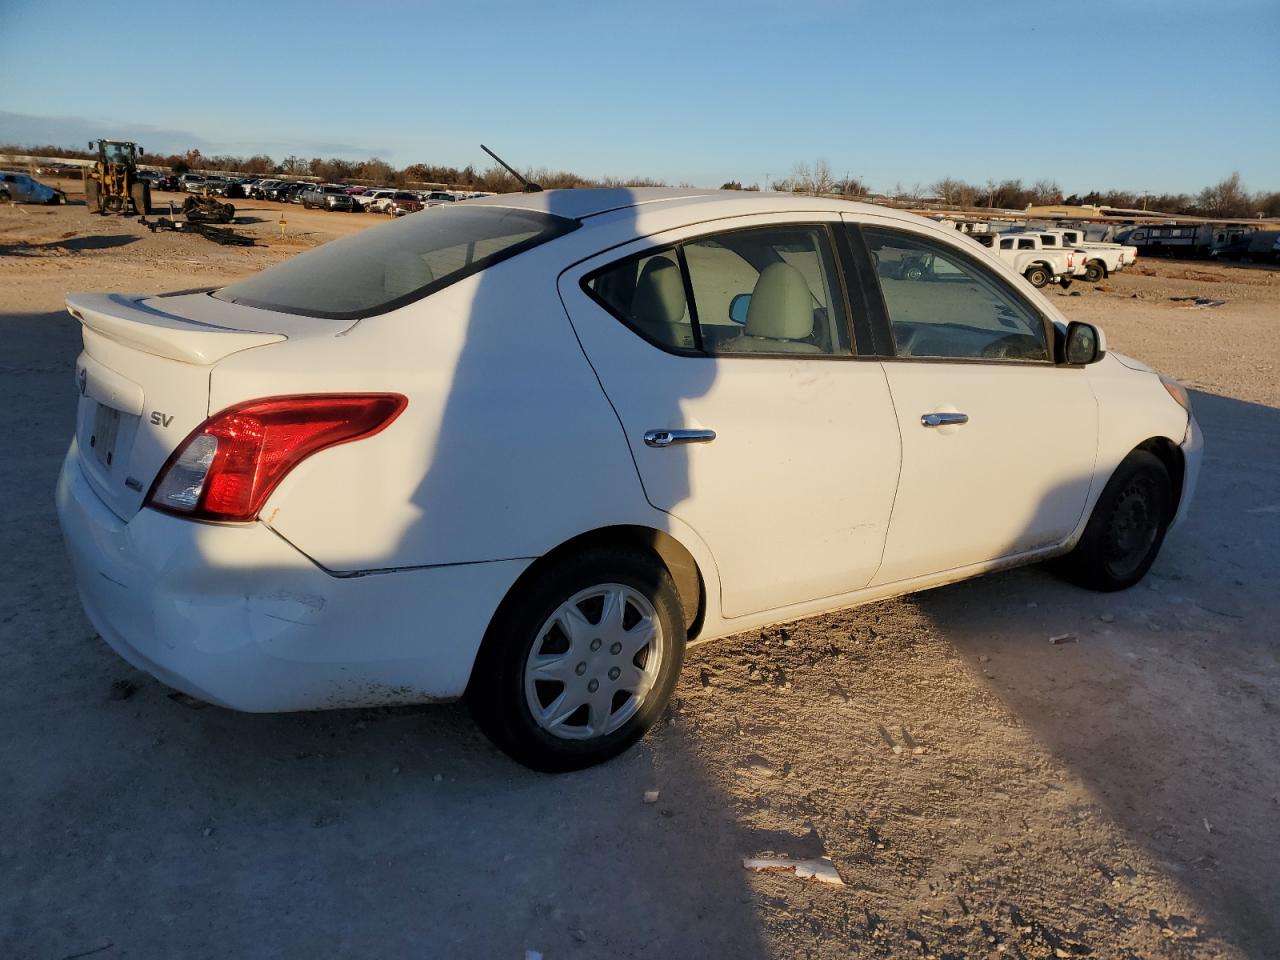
507 447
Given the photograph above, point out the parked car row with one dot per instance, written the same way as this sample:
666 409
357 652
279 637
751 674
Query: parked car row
388 200
1058 255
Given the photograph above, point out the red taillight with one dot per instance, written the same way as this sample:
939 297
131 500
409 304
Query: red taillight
228 466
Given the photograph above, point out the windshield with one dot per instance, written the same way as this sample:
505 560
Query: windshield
117 153
385 267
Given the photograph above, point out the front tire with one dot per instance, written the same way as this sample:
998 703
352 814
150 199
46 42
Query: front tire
140 194
580 660
1126 529
1094 271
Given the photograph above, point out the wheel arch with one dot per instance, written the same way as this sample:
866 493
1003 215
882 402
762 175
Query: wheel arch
670 552
1170 454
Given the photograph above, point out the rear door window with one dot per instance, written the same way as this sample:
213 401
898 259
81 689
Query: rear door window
647 293
768 290
757 291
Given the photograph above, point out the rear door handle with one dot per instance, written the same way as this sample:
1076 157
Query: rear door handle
942 419
669 438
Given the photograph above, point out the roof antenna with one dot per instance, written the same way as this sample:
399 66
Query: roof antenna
529 186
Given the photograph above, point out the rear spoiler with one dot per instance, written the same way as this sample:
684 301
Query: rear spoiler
128 321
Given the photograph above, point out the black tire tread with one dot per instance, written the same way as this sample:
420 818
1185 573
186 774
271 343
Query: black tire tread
1084 566
495 695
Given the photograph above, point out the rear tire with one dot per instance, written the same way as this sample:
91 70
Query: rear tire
1126 529
560 683
1038 276
1094 271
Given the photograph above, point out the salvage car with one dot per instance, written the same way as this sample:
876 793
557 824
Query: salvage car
524 449
24 188
402 202
374 200
330 196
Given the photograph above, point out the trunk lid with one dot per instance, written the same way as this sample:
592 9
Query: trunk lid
143 378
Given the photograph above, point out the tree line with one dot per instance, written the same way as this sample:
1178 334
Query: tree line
1227 198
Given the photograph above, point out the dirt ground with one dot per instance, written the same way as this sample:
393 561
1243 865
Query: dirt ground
981 791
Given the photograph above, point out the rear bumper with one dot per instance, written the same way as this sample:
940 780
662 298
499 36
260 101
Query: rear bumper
235 615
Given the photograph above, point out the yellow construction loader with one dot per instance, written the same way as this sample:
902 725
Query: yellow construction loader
111 183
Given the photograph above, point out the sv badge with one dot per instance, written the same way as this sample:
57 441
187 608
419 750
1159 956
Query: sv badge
161 419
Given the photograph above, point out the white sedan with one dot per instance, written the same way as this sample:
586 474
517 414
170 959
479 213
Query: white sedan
526 448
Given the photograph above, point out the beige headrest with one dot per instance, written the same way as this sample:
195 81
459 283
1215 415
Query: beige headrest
404 273
781 306
659 293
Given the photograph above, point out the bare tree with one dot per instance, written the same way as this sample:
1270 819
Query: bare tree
955 192
851 187
1226 198
948 190
1046 191
379 171
806 179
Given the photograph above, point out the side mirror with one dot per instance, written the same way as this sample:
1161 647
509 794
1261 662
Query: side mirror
739 307
141 151
1082 345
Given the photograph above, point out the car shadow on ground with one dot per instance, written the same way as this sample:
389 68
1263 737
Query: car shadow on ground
389 832
69 244
143 824
1163 699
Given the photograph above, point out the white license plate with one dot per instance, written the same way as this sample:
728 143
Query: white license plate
106 424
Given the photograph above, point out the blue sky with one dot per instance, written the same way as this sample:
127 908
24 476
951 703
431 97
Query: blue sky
1135 94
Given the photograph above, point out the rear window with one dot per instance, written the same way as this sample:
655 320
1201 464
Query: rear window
385 267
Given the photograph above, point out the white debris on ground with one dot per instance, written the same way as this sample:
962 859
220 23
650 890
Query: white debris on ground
819 868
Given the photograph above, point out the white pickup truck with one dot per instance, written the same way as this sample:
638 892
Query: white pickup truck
1101 259
1041 265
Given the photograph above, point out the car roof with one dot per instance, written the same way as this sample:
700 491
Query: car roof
577 204
611 217
698 203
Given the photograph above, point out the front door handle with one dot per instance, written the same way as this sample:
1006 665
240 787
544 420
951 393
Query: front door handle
669 438
942 419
